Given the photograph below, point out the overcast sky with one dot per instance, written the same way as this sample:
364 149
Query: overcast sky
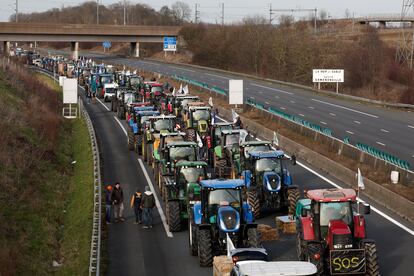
234 10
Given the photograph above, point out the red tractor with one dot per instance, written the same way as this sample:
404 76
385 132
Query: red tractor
331 233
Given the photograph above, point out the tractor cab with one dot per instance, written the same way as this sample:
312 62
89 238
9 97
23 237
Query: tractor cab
135 81
165 139
180 103
331 233
188 175
221 211
229 147
101 81
199 118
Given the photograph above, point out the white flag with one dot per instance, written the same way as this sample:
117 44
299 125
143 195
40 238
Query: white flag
234 115
186 90
210 101
200 143
275 140
229 245
213 119
243 135
361 184
173 93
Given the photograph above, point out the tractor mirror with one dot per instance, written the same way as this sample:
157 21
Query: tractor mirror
366 208
209 175
293 158
303 212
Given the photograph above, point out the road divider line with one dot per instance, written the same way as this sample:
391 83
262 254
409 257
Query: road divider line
178 68
384 130
267 103
122 127
283 108
270 88
311 107
217 76
332 114
157 202
410 126
324 123
379 212
382 144
107 108
293 102
350 132
302 115
357 122
346 108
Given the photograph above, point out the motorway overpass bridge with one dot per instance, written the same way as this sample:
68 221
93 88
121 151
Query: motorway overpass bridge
75 33
383 19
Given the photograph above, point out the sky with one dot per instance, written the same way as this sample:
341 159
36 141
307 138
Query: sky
234 10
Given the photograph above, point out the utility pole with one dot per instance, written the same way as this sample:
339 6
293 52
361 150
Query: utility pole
97 12
17 10
405 51
222 14
124 12
197 14
315 11
270 14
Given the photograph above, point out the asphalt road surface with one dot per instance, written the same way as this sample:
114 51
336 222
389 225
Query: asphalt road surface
135 251
388 130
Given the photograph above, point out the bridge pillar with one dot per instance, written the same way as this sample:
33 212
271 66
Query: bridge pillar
74 47
6 48
383 24
134 49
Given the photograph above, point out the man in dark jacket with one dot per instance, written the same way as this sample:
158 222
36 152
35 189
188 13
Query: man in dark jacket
148 203
118 201
136 200
108 203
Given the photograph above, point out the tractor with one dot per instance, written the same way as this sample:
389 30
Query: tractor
103 79
121 100
197 120
332 235
220 211
181 101
182 190
135 129
214 138
268 182
151 138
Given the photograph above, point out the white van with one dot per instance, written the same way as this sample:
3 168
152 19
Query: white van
262 268
109 91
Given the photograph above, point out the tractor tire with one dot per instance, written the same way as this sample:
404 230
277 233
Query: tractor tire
220 168
122 113
131 140
138 144
112 106
371 257
150 156
252 238
144 150
191 135
192 237
156 173
299 248
293 196
254 203
205 249
312 249
173 216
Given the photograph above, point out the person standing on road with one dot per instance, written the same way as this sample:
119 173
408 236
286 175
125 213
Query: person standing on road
136 200
108 203
118 201
88 94
148 203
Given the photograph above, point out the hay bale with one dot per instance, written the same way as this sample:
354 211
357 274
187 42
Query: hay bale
222 266
286 225
267 233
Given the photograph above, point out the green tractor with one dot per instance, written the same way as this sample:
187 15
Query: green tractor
182 191
197 120
151 138
180 102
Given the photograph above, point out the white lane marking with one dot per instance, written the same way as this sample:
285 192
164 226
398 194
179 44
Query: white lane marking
122 127
311 107
293 102
350 132
179 68
332 114
267 103
270 88
322 122
382 214
157 202
107 108
384 130
346 108
277 97
300 114
217 76
282 108
410 126
252 98
357 122
261 92
382 144
247 88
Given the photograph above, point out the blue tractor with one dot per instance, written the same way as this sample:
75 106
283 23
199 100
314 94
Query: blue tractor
220 211
136 125
268 182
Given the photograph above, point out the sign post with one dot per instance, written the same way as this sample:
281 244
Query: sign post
170 44
328 75
70 96
236 92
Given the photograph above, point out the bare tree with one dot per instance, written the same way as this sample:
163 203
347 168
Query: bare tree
347 14
181 11
286 20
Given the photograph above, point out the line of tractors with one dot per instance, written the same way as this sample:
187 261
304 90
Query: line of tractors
215 179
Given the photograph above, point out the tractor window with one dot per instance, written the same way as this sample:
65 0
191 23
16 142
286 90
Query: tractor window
248 149
335 211
110 90
232 139
156 89
129 98
269 164
135 81
192 174
182 153
222 197
106 79
163 125
201 115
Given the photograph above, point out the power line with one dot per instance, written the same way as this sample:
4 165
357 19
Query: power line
222 14
197 14
405 51
97 12
17 10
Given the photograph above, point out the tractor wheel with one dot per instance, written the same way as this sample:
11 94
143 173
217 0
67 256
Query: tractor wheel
252 238
173 214
122 113
293 196
150 156
156 172
254 203
205 250
312 250
112 106
191 135
192 237
221 165
131 140
138 144
144 150
371 257
299 249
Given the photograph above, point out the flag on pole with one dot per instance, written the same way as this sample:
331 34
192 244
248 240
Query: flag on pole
186 90
210 101
275 140
243 135
361 184
173 92
200 143
234 116
180 91
229 245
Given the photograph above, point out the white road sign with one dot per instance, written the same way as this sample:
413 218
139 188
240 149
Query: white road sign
235 91
70 91
328 75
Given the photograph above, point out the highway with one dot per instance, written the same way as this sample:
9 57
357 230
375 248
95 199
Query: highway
132 250
388 130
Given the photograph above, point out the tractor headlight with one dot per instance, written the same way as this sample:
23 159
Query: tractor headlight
337 246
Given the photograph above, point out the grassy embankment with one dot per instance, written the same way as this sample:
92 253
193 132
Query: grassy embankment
46 202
